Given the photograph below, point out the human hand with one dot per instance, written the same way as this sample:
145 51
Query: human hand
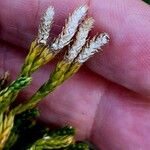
108 100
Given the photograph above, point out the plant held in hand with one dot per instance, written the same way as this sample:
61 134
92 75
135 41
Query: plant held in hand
12 119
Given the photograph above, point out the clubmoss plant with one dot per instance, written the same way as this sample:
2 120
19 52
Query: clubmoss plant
18 123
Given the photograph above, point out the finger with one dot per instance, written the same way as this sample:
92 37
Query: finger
122 120
126 61
19 20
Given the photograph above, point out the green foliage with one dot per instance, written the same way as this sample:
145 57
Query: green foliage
22 126
147 1
8 95
57 139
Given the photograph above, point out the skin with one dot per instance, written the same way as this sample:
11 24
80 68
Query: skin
108 100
